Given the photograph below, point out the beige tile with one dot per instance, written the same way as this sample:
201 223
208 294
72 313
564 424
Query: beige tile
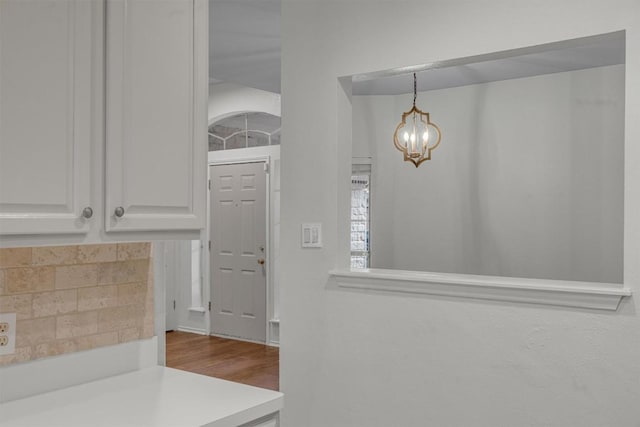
19 304
75 325
132 293
73 345
150 297
95 341
54 348
150 277
123 272
76 276
118 318
127 251
148 327
97 297
22 354
97 253
130 334
149 304
55 255
29 279
3 288
35 331
15 257
54 303
149 308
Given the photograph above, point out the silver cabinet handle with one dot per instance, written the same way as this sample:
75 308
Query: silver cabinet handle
119 212
87 212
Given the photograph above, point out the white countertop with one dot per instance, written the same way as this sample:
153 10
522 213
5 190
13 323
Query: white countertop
153 397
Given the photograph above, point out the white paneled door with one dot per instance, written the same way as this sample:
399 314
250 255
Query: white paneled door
238 250
45 116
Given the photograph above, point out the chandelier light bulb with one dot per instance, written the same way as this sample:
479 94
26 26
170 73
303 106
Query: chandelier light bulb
406 137
425 136
413 137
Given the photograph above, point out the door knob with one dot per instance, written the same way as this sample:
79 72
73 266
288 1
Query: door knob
87 212
119 212
261 261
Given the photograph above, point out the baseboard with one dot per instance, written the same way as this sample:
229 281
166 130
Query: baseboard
230 337
53 373
274 332
191 330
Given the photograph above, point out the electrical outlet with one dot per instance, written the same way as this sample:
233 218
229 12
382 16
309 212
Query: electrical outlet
7 333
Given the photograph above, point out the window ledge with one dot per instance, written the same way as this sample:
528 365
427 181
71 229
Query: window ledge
601 296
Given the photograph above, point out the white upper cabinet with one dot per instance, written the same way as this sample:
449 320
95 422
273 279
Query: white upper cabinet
45 123
116 130
156 97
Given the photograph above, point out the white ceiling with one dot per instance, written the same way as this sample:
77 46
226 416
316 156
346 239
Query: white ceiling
244 43
244 48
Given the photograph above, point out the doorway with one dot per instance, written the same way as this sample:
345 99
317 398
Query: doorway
246 138
238 251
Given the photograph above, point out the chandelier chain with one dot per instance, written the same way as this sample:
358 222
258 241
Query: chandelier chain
415 89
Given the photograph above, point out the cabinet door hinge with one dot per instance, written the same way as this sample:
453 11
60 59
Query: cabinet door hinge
209 245
174 304
209 305
209 185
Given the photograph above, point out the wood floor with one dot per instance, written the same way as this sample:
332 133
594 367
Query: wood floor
242 362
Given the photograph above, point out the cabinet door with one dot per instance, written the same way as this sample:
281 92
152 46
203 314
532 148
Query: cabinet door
45 115
156 121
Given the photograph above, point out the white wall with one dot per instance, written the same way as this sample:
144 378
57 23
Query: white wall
368 359
527 182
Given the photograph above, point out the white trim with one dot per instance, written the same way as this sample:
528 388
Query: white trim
52 373
601 296
274 333
231 337
197 331
239 159
197 309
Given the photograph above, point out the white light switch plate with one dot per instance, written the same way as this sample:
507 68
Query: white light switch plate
311 236
7 333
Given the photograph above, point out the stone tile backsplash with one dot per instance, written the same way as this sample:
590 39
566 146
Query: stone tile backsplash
74 298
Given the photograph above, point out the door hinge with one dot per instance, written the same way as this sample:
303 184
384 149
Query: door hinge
174 304
209 245
209 305
266 167
209 184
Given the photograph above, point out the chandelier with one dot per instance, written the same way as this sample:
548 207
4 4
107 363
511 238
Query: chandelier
416 136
